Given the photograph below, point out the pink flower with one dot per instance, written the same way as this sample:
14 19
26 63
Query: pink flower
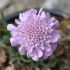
35 34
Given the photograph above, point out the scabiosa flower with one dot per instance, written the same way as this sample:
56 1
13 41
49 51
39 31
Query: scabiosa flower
36 34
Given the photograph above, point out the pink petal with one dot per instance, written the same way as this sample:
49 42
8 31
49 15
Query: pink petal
55 36
24 16
42 15
53 46
10 27
34 54
39 52
35 58
13 42
22 50
42 47
47 16
52 19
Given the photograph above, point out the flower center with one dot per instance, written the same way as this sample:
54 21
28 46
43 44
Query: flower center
33 32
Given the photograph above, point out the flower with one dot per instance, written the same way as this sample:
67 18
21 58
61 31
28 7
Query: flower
36 34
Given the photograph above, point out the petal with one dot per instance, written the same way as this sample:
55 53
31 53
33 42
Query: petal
52 19
24 16
39 52
17 21
48 51
56 25
52 24
13 33
30 51
45 56
13 42
47 16
55 36
33 54
42 47
53 46
22 50
10 27
42 15
35 58
33 11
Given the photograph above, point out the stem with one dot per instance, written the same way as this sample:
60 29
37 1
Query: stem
2 15
40 11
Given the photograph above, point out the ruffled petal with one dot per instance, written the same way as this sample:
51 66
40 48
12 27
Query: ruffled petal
47 52
55 36
47 16
53 46
35 56
42 47
24 16
39 52
13 42
56 25
13 33
10 27
22 50
42 16
52 19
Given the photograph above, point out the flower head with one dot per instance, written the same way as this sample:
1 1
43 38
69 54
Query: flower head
35 34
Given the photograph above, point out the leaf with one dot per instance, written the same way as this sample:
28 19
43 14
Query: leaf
52 61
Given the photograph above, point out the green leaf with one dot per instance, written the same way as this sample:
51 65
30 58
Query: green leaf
52 61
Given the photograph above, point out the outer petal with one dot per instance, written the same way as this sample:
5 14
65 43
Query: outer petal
42 47
56 25
22 50
45 56
30 52
53 22
17 21
24 16
52 19
35 58
10 27
42 15
55 36
53 46
35 55
44 18
39 52
47 52
13 33
47 16
13 42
